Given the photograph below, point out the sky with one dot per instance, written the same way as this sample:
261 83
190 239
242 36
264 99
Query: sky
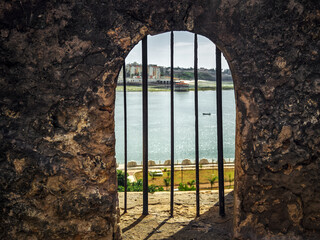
159 51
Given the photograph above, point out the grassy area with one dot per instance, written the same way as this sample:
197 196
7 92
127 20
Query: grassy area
203 86
186 176
137 88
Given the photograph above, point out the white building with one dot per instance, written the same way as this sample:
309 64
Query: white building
135 72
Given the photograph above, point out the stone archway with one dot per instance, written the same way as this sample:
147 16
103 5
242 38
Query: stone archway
58 69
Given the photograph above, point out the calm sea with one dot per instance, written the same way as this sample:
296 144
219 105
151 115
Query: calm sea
159 125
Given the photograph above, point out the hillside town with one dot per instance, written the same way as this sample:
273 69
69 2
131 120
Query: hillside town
161 75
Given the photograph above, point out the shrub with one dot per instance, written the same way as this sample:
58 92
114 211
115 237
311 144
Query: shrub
167 182
134 186
154 188
184 187
121 180
230 179
191 183
212 180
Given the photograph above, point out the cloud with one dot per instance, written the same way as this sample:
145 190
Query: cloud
183 44
159 51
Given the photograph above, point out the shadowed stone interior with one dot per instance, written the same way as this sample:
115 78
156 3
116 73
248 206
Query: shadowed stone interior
58 68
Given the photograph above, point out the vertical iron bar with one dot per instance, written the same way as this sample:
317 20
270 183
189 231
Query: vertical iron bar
181 168
196 121
125 136
219 127
145 122
172 125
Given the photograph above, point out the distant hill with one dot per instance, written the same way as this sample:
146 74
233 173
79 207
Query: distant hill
203 74
135 69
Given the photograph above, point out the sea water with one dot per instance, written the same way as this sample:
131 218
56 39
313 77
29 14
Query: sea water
184 130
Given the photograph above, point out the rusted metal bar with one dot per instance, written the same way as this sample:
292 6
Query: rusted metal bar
145 122
172 124
125 136
196 111
219 130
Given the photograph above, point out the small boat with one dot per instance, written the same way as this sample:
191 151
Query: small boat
206 114
181 86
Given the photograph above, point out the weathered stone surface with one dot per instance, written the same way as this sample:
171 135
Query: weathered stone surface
184 225
58 67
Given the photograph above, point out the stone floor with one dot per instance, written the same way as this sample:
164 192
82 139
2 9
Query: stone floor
184 225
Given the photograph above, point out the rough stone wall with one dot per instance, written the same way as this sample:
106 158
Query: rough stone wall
59 61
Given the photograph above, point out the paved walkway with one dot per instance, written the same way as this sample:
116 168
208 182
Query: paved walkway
184 225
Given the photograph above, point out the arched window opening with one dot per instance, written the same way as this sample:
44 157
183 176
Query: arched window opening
159 125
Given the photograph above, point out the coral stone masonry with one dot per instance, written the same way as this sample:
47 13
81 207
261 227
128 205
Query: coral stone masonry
59 62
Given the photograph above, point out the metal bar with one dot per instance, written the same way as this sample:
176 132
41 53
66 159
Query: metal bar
196 111
181 168
145 122
219 127
172 125
125 136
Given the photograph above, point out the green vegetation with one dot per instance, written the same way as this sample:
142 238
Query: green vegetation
135 186
121 178
190 75
184 75
212 180
167 181
185 179
153 188
201 87
185 187
186 176
152 174
138 88
230 179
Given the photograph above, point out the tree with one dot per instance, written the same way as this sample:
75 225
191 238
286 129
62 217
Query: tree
191 183
167 182
230 179
212 180
121 178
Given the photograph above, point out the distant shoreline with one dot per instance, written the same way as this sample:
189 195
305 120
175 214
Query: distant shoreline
138 88
177 166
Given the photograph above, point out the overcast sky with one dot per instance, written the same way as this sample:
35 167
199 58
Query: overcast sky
159 51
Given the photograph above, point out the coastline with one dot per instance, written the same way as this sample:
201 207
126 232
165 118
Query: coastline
176 166
152 89
203 85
